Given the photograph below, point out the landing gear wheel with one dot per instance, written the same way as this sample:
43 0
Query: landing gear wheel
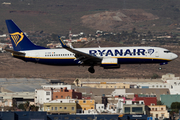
91 69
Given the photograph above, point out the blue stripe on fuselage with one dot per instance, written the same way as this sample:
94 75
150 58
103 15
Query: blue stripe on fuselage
47 61
71 61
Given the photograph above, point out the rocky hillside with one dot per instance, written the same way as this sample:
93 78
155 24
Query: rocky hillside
117 20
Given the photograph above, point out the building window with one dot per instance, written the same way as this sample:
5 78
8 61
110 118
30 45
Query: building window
47 93
61 90
91 107
56 108
65 108
137 109
126 109
155 109
84 101
72 108
51 108
56 96
47 98
60 107
84 108
152 109
161 108
61 96
152 104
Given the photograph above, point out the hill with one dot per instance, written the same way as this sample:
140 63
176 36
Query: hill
59 16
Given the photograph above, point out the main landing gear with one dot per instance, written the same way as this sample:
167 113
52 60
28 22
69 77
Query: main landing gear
91 69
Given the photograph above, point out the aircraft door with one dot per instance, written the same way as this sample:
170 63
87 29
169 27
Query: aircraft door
157 53
37 56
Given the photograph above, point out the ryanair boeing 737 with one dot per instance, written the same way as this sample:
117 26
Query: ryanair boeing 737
106 57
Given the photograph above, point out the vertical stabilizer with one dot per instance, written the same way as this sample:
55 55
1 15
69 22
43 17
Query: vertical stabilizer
19 40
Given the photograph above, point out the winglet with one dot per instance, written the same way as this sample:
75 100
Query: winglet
62 43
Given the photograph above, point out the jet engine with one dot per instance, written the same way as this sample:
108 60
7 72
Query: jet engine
110 63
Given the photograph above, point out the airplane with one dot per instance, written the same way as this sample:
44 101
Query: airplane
106 57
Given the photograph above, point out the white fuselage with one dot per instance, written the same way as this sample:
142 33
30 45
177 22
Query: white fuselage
125 55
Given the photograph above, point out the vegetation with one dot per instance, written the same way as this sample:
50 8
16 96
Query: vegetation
21 106
27 107
175 107
159 103
154 76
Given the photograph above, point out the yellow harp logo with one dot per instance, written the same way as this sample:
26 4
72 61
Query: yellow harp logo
17 37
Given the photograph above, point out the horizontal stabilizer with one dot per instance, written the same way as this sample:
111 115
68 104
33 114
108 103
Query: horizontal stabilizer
15 52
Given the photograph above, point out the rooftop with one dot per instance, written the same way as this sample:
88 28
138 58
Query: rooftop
21 84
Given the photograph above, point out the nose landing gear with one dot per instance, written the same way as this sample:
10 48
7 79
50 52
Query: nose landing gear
160 68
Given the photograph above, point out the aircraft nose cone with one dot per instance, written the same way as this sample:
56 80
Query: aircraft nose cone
174 56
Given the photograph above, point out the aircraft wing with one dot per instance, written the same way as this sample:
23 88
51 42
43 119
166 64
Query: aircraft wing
15 52
83 57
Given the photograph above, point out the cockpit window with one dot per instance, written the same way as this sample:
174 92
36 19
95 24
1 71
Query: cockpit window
167 51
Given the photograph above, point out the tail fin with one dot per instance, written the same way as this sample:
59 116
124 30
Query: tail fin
19 40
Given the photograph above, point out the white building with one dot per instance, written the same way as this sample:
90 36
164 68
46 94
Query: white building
152 85
118 107
58 86
63 101
44 95
174 86
173 83
121 92
100 108
90 111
